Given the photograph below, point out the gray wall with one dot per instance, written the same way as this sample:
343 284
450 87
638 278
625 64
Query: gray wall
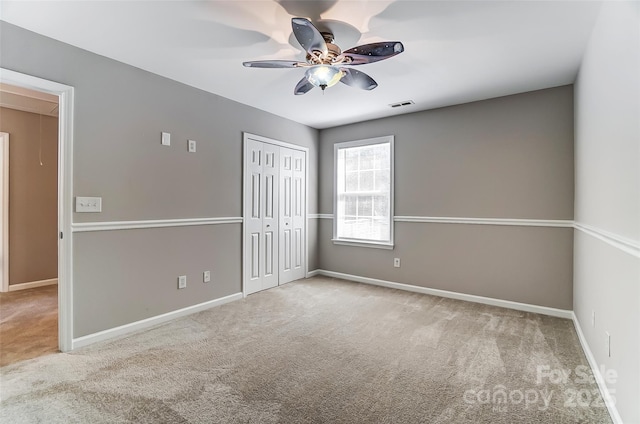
120 112
33 195
607 198
510 157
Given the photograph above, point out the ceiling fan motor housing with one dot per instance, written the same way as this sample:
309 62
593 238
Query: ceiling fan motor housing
318 58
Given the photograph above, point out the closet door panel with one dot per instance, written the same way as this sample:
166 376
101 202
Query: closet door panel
270 212
292 220
253 216
298 223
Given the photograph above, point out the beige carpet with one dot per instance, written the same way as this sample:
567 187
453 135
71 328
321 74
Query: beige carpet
319 351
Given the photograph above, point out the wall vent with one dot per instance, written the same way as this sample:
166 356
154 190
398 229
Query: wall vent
400 104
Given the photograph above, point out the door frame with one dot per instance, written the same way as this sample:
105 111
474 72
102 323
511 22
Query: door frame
245 137
65 94
4 213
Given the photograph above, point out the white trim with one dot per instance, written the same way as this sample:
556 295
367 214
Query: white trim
487 221
604 390
149 322
78 227
374 245
4 212
33 284
306 211
387 139
65 96
562 223
629 246
313 273
544 310
243 244
275 142
625 244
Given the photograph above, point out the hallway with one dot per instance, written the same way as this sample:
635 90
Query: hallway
28 324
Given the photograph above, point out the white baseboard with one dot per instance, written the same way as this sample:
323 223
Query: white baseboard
149 322
313 273
33 284
544 310
604 390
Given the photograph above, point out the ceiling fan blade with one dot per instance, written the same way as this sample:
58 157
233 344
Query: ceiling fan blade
308 36
357 79
303 86
273 64
369 53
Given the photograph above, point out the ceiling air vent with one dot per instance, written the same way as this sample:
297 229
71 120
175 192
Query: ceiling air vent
400 104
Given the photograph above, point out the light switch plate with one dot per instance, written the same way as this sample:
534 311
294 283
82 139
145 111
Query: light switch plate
166 139
191 146
88 204
182 282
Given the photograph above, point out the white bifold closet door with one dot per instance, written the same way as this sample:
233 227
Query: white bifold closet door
274 213
292 217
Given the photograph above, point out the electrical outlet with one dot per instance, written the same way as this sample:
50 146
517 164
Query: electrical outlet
396 262
206 276
182 282
608 343
191 146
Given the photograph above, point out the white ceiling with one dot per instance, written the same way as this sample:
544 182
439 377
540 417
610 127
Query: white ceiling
455 51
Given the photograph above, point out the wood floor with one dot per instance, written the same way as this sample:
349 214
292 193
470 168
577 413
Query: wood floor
28 324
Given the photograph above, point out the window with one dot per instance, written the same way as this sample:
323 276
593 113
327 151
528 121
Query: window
363 204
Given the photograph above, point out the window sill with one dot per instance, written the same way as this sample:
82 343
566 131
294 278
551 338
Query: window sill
388 246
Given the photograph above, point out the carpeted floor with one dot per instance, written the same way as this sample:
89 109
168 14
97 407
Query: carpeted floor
319 351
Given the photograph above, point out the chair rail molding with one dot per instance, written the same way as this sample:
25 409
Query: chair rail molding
79 227
625 244
562 223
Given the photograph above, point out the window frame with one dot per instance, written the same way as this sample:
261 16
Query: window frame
359 143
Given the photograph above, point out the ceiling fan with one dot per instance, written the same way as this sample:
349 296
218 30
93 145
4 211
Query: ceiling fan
326 62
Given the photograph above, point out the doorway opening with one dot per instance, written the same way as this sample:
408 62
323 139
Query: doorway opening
29 230
50 105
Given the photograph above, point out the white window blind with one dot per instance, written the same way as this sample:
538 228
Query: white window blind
364 191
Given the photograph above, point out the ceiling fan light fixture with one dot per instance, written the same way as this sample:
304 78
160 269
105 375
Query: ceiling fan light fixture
326 62
324 76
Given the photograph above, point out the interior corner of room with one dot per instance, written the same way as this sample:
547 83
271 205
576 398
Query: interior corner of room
528 201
